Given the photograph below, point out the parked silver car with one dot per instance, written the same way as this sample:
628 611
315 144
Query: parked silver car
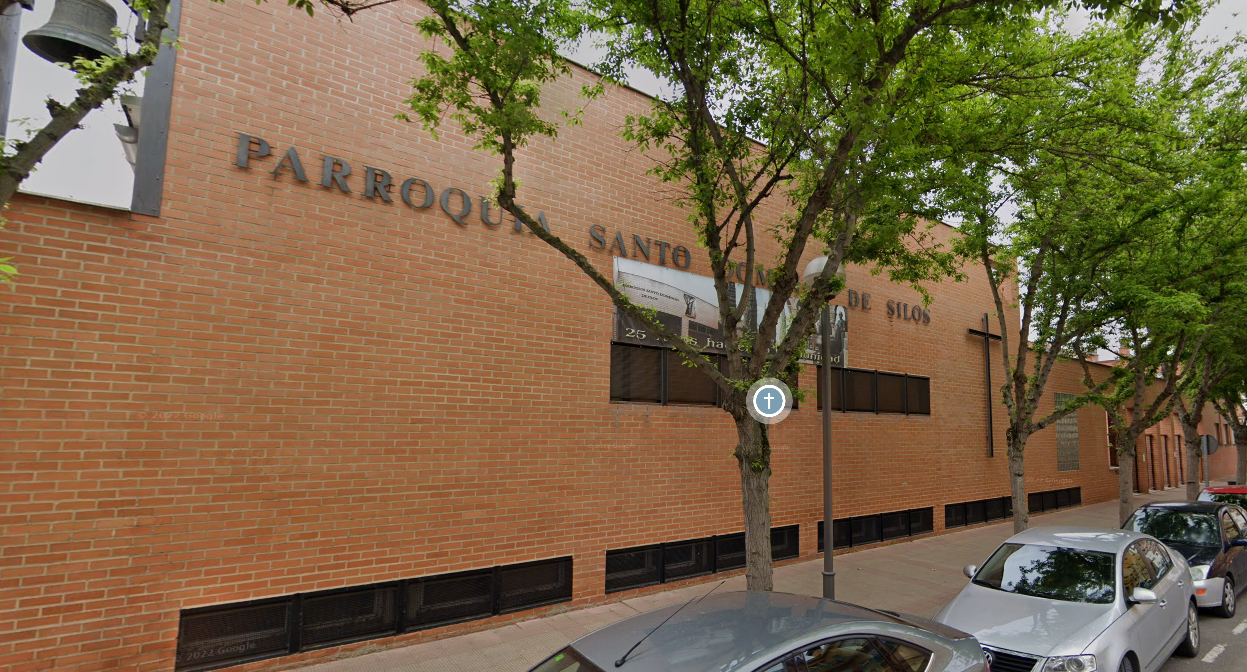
1076 599
769 632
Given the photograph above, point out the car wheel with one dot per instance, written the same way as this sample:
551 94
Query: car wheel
1190 644
1228 605
1127 665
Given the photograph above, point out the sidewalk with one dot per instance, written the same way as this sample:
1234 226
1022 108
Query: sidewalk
917 577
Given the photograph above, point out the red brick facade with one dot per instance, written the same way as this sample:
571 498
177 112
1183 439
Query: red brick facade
277 387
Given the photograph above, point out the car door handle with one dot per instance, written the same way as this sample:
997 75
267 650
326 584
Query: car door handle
1181 583
1162 604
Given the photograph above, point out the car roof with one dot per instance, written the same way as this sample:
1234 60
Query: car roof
1104 540
1227 490
718 632
1188 507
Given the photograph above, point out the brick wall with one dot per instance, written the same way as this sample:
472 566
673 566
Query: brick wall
277 387
1164 453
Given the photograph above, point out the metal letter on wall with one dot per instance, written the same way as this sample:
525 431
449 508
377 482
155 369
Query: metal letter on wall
149 167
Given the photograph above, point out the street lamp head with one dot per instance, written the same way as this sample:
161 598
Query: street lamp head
815 269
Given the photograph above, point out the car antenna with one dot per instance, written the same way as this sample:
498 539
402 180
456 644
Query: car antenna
624 658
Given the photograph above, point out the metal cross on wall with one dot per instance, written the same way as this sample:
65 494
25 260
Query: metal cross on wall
988 337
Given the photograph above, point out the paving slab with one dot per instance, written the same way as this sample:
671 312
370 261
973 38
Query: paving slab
917 577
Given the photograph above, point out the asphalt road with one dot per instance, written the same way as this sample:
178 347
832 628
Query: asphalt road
1224 646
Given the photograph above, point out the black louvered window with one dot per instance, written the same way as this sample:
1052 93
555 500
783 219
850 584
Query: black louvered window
641 566
729 551
688 558
450 598
635 567
348 615
533 584
785 542
216 636
231 634
654 375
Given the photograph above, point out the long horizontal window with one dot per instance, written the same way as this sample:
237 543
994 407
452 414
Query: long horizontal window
869 391
978 511
875 527
660 376
1051 500
231 634
641 566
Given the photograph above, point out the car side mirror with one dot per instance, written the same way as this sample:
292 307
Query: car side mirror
1142 596
969 571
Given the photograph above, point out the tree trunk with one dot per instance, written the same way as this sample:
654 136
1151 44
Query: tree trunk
1191 436
1017 480
754 455
1125 485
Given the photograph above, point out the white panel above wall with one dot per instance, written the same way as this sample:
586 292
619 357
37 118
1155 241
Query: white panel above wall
89 165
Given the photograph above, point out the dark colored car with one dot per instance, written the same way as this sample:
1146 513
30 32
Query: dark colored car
1225 494
1213 539
769 632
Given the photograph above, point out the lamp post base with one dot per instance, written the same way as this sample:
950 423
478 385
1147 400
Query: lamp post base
829 585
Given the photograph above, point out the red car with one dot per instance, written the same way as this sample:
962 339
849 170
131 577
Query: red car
1226 494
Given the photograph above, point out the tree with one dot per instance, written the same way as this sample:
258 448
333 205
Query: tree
1222 357
835 92
1221 232
1152 358
1162 290
1072 152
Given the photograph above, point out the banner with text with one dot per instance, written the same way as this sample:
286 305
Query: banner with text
688 305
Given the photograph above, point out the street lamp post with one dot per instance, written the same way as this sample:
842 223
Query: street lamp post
829 572
813 271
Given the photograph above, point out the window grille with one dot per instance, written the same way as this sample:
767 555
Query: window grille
449 598
628 568
921 521
212 637
231 634
1066 436
894 525
785 542
688 558
865 529
729 551
347 615
533 584
636 567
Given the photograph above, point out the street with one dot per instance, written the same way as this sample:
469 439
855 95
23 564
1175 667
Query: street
1224 648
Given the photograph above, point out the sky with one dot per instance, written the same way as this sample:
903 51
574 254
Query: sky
89 166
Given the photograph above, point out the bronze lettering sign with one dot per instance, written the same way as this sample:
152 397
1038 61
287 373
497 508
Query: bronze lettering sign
379 185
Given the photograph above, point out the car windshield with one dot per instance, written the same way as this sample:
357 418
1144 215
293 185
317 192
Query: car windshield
1176 527
1224 498
567 660
1067 574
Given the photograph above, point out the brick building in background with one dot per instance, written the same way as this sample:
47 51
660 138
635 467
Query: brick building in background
264 418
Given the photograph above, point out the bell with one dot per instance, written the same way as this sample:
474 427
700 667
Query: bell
77 28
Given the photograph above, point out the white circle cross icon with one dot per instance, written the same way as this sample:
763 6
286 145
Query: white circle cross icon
769 401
